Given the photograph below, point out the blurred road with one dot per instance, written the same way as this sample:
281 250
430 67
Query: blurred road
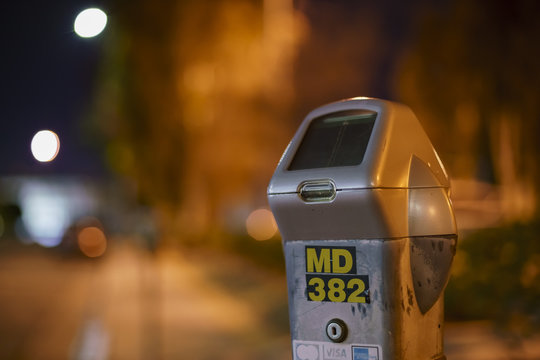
175 304
134 305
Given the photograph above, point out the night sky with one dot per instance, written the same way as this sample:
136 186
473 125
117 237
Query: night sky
48 74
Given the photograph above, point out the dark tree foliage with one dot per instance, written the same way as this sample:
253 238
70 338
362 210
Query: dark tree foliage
138 107
497 276
473 75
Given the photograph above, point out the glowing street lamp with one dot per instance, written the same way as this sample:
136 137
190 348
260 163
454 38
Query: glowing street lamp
45 145
90 23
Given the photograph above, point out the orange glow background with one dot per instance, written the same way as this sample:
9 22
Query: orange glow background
176 255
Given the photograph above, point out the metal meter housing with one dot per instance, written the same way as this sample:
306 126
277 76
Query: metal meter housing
361 200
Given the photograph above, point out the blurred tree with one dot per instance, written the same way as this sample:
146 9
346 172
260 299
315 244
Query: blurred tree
342 56
138 107
472 77
497 276
194 95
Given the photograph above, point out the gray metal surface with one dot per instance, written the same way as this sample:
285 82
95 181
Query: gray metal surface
392 319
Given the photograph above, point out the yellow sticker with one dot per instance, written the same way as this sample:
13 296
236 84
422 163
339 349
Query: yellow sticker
331 275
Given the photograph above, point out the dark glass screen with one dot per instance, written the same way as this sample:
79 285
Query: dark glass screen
337 139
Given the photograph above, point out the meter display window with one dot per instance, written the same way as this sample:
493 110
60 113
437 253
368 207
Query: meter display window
337 139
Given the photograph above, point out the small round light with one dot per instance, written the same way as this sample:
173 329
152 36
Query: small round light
90 23
261 225
45 145
92 241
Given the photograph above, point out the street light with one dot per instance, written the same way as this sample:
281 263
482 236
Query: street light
45 145
90 22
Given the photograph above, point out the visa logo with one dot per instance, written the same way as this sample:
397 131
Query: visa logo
336 352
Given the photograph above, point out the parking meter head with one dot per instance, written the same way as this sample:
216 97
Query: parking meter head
347 153
370 138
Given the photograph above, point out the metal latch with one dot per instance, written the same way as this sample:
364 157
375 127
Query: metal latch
317 190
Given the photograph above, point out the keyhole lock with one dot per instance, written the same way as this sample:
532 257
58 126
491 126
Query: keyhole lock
336 330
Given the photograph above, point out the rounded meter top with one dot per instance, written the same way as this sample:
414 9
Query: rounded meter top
360 143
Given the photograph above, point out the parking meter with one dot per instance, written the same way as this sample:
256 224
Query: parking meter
361 199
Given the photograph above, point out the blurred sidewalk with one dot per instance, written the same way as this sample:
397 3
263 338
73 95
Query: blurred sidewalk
134 305
175 304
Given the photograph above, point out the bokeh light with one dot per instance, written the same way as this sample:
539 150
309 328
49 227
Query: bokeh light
45 213
90 23
261 225
45 145
92 241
